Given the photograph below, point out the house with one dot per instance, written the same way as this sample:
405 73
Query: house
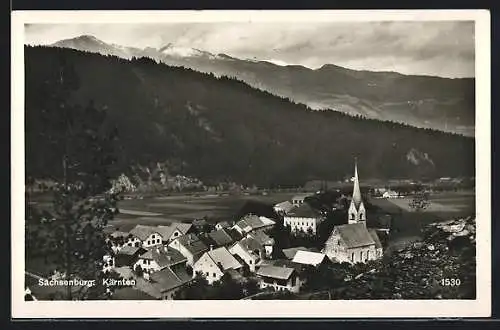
353 243
283 207
215 263
169 280
147 235
279 278
190 246
245 253
264 241
158 258
298 200
222 224
174 230
303 218
390 194
128 256
221 237
290 252
310 258
251 222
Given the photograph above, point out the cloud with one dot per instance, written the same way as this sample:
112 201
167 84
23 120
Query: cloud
433 48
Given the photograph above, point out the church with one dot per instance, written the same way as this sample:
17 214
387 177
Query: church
354 242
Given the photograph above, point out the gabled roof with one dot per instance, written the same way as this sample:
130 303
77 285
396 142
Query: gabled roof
285 206
251 222
309 258
355 235
129 250
223 224
303 211
183 227
118 233
376 239
166 280
290 252
251 244
224 259
221 237
166 231
164 256
192 243
262 238
142 232
282 273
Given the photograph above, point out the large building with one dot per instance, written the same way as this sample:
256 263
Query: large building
303 218
354 242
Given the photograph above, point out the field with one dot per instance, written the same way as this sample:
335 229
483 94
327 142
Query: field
407 223
167 209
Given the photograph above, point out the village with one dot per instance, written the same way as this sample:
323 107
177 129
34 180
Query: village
163 261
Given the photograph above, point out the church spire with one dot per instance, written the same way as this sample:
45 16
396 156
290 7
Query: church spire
356 193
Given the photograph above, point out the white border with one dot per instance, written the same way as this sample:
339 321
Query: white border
481 307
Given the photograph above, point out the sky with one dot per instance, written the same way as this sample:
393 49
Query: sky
437 48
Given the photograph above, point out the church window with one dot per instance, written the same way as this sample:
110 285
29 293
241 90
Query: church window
367 254
352 256
361 255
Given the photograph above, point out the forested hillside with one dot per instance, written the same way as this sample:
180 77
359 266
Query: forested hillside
222 129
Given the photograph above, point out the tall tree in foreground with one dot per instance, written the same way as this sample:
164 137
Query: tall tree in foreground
72 227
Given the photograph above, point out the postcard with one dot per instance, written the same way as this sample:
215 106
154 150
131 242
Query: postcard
251 164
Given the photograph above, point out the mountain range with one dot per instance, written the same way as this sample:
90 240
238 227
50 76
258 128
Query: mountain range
421 101
221 129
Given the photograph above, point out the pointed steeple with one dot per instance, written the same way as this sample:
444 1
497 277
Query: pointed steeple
356 193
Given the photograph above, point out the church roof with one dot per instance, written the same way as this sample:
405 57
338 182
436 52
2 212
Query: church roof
355 235
356 193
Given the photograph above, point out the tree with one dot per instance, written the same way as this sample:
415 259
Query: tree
420 201
72 228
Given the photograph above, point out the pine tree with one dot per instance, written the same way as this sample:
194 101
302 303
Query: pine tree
72 228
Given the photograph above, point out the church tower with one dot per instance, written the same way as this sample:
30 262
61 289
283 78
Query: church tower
357 212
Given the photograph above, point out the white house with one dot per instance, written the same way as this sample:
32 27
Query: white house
390 194
279 278
249 257
148 236
353 243
303 218
215 263
190 246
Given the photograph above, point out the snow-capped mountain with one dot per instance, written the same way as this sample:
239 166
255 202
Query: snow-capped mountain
421 101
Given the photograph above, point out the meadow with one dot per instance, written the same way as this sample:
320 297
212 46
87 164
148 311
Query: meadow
167 209
407 223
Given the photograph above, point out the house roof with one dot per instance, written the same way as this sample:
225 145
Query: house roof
142 232
262 238
251 222
164 256
129 250
221 237
282 273
355 235
118 233
290 252
166 280
222 257
192 243
166 231
251 244
376 239
285 206
183 227
266 221
223 224
309 258
303 211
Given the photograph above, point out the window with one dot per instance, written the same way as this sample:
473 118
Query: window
367 255
250 261
338 242
148 242
352 256
153 236
176 234
361 255
136 244
206 273
214 274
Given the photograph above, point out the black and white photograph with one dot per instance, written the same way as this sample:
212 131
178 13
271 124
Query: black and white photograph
252 162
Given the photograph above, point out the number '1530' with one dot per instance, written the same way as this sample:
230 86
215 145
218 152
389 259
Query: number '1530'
450 282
